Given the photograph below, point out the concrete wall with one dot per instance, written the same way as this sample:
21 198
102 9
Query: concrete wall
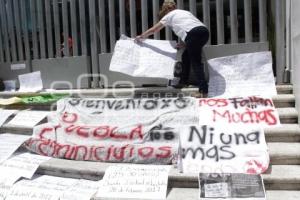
295 48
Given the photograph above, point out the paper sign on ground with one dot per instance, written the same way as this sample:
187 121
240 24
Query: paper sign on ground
238 111
6 183
31 82
4 114
81 190
231 186
41 188
9 143
23 164
135 181
223 149
27 118
242 75
150 58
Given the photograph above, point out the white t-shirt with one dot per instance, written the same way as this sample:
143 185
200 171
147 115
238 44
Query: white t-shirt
181 22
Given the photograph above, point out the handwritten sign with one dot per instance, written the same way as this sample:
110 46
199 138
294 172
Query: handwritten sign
28 118
9 143
23 164
135 181
4 114
242 75
31 82
81 190
137 59
115 130
6 183
213 149
241 111
53 188
231 186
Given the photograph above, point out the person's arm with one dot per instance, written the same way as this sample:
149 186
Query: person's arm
154 29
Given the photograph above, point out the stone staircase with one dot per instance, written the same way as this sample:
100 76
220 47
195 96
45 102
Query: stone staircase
282 180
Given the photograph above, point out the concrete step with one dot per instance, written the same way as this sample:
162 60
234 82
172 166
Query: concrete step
288 115
193 194
285 133
284 153
126 92
279 177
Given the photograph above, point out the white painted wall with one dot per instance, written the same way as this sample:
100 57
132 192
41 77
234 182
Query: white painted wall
295 50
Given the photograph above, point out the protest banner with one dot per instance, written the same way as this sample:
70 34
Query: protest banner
231 186
135 181
150 58
40 188
243 75
115 130
223 149
238 111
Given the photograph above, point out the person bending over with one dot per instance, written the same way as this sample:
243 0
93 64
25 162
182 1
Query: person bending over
193 34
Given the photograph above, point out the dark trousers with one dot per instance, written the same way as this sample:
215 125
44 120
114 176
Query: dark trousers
192 57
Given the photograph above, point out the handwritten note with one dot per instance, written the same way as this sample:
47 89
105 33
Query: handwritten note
150 58
4 114
135 181
31 82
242 75
23 164
6 183
40 188
9 143
81 190
28 118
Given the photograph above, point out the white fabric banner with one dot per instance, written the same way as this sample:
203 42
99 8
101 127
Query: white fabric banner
241 111
149 58
115 130
226 149
242 75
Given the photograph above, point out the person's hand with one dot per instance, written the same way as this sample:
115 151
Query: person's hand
180 45
139 38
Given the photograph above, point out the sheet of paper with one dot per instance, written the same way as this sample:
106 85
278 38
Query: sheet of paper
6 184
4 114
23 164
135 181
40 188
242 75
31 82
28 118
150 58
10 101
10 85
9 143
81 190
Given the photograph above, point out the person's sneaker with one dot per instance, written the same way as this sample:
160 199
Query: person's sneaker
199 94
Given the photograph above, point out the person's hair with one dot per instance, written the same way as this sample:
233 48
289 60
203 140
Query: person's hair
166 8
